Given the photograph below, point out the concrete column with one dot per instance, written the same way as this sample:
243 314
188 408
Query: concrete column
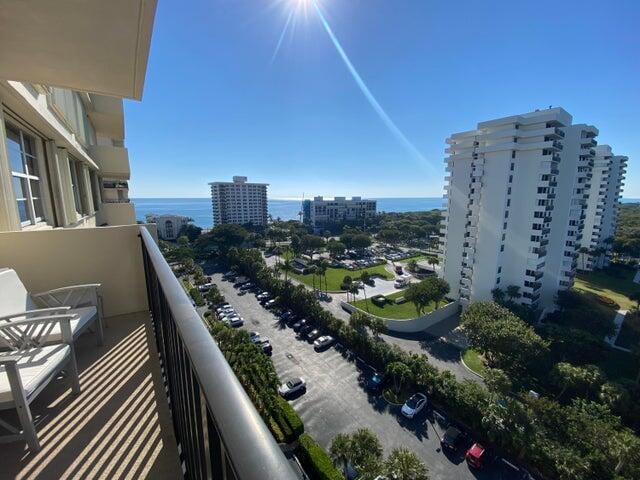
9 219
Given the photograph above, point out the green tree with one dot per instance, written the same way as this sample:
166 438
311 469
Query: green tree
497 381
421 295
504 339
321 268
403 464
411 265
287 258
513 292
400 373
311 244
498 295
191 231
183 241
335 248
390 236
214 296
439 287
573 378
341 451
377 326
224 237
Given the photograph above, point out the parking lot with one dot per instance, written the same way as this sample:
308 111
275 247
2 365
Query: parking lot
336 401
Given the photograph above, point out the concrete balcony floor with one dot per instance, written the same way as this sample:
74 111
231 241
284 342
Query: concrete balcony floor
118 427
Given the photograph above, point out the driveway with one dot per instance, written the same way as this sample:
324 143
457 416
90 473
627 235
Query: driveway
336 402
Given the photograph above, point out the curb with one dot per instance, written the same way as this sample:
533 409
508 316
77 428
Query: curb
467 367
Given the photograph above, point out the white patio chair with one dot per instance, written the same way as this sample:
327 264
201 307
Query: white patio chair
82 301
27 365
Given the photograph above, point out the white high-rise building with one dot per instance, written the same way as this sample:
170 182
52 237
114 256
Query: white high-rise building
339 209
602 208
572 187
501 192
239 202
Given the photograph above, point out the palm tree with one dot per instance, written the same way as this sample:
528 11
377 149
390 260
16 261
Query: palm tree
353 290
287 258
322 271
364 278
341 451
403 464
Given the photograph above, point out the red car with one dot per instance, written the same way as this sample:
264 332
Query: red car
478 456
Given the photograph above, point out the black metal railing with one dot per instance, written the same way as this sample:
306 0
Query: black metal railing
220 434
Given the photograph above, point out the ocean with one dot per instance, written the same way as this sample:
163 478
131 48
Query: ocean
200 208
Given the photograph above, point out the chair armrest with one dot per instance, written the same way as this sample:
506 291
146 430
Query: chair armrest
72 296
9 359
68 289
37 312
28 332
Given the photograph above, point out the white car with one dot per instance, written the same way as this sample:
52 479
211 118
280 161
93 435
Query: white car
224 308
234 321
292 386
255 337
323 342
414 405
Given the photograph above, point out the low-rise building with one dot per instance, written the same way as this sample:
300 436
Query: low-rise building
321 212
168 225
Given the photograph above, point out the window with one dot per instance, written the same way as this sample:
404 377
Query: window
23 162
502 248
75 184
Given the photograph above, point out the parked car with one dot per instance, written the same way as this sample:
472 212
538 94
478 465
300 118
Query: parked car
265 344
376 381
452 439
270 304
255 337
292 386
414 405
304 331
205 288
291 321
301 324
399 270
234 321
323 342
478 456
262 295
246 286
313 335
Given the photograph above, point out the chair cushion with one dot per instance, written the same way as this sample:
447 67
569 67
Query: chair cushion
14 297
35 366
85 315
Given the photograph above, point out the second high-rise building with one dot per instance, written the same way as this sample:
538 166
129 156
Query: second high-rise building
239 202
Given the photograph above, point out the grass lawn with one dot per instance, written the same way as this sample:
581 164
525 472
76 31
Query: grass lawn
607 285
472 360
336 275
400 311
418 257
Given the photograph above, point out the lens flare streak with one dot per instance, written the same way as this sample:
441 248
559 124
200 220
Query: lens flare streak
282 35
393 128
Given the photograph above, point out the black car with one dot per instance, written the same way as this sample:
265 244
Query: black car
304 331
291 321
299 325
312 335
376 381
452 439
266 346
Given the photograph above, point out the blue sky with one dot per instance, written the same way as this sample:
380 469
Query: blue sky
215 105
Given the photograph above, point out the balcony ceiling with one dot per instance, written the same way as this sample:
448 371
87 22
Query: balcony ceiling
95 46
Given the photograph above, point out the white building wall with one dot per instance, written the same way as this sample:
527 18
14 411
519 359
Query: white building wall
499 204
602 208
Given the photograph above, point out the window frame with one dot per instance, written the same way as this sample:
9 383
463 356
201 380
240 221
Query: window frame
27 177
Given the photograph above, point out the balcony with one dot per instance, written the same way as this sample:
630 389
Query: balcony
113 161
159 385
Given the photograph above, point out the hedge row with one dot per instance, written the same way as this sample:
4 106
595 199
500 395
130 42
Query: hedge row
197 296
315 460
291 417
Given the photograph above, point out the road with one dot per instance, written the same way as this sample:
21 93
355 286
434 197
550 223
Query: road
335 400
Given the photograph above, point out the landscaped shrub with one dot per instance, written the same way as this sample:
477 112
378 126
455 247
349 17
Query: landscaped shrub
316 461
379 300
291 416
197 296
275 430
